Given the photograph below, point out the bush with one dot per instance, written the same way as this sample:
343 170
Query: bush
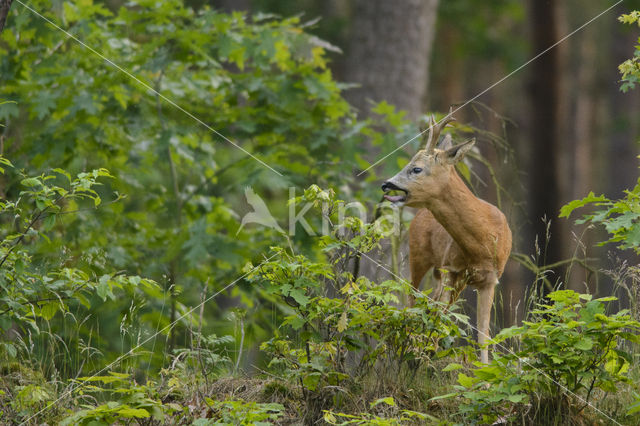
564 354
331 345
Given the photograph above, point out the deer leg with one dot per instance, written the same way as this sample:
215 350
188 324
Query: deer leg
485 302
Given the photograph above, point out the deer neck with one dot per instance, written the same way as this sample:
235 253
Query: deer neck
465 217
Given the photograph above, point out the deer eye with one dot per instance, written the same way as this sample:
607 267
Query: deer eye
416 170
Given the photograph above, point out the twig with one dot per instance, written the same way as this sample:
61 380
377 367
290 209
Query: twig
19 240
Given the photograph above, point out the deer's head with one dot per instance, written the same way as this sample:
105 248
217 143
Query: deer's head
428 171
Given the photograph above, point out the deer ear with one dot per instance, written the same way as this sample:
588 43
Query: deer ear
446 142
455 154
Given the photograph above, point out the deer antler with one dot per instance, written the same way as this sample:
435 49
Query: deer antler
434 131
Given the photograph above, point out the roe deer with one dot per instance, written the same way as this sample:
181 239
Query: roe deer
465 239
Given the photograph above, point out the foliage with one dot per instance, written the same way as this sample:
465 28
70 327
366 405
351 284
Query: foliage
630 69
35 290
565 352
239 412
634 408
132 401
205 356
619 217
403 416
336 342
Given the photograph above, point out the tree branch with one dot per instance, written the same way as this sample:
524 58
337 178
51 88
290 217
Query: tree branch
19 240
5 5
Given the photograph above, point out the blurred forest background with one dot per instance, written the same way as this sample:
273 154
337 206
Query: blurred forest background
115 167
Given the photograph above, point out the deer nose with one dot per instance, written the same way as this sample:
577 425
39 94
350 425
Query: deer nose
388 186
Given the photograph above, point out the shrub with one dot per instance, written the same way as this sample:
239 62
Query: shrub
329 345
127 400
566 352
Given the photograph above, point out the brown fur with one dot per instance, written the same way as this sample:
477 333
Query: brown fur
465 239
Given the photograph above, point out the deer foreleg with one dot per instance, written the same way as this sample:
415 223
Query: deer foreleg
485 302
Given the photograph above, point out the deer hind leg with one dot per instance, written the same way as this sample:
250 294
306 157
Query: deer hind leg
485 303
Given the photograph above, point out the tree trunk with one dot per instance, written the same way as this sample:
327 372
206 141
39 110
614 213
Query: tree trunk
388 56
389 51
5 5
545 110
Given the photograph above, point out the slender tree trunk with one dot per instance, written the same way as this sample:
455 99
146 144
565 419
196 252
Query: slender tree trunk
545 110
5 5
389 51
580 159
449 72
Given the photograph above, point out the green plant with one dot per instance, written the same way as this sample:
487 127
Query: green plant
634 408
338 330
205 358
35 287
619 217
630 69
238 412
396 416
130 401
30 398
566 352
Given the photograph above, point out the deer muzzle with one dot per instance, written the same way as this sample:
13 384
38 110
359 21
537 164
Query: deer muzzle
388 187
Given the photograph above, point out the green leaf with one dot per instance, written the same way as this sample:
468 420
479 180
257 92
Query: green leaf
49 309
299 297
49 222
342 322
452 367
10 349
129 412
8 110
31 182
103 288
584 344
568 208
446 396
387 400
516 398
465 380
311 381
63 172
44 102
